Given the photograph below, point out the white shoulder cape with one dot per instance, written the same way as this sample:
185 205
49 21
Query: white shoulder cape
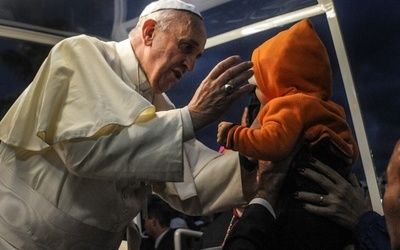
66 100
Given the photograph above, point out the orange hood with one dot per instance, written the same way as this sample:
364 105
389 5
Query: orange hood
293 61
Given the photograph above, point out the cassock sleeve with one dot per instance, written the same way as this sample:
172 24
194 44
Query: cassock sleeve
129 153
216 177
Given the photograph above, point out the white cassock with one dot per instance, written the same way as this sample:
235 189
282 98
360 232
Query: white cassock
85 142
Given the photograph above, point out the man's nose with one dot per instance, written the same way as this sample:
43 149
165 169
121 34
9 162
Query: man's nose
190 62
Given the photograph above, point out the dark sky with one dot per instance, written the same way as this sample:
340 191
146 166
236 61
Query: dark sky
372 38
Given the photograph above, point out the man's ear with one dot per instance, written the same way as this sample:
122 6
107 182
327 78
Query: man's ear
148 29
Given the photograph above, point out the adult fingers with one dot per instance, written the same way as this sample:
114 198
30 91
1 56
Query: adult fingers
353 180
316 203
317 209
230 71
222 66
242 90
212 99
233 74
313 198
319 178
356 185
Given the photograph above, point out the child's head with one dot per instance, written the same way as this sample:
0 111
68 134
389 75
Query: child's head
293 61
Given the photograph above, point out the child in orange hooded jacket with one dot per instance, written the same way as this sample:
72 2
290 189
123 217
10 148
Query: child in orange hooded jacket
294 84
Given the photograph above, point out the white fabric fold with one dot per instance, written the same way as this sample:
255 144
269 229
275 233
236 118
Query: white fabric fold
66 100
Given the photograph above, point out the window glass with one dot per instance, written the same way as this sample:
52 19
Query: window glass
19 61
75 16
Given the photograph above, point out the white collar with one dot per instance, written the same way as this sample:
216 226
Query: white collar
131 65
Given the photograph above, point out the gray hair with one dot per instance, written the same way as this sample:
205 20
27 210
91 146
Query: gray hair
164 18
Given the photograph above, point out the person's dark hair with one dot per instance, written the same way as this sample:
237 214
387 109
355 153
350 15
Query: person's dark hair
161 211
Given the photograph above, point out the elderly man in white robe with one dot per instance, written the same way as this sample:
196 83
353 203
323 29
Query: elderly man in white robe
94 132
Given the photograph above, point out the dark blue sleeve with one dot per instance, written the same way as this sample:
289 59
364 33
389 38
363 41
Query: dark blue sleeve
371 232
256 229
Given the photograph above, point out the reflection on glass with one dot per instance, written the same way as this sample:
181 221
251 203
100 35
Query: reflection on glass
19 62
238 13
96 18
78 16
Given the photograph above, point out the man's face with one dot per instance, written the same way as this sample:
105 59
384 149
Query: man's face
391 202
173 52
149 227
